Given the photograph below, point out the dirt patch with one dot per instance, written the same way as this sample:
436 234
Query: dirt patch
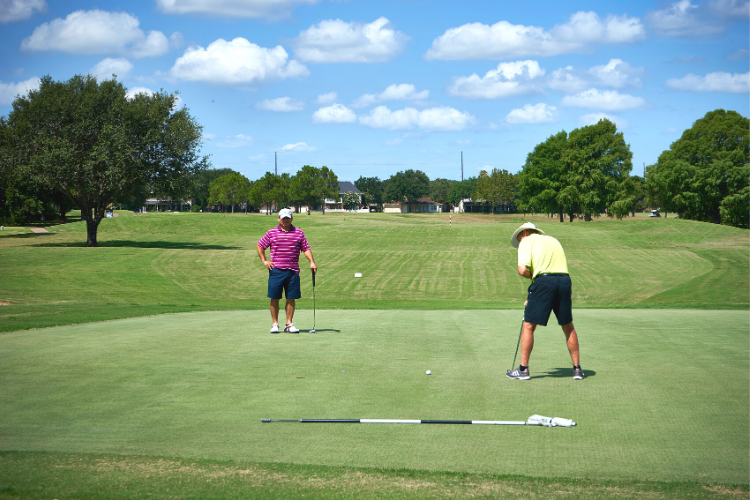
4 303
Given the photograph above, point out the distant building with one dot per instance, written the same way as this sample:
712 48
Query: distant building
422 205
344 187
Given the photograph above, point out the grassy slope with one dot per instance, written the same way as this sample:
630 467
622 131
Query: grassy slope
197 385
156 263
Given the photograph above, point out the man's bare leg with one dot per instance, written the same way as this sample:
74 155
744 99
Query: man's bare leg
571 339
290 305
275 310
527 342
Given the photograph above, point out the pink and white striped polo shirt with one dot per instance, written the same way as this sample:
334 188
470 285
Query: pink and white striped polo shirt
285 247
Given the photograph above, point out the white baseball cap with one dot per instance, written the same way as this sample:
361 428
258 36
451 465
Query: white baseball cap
284 213
527 225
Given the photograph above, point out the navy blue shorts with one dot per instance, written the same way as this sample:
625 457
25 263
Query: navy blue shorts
549 293
286 280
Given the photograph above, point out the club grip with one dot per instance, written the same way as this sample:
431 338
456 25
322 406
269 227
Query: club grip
313 274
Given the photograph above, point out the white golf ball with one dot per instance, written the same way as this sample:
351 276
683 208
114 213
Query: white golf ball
428 372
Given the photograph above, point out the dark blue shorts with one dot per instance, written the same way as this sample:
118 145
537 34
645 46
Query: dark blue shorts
286 280
547 294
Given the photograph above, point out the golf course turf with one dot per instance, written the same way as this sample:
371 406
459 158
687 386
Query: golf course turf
173 402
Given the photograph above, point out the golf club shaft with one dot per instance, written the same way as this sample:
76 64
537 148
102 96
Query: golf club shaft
313 279
513 365
395 421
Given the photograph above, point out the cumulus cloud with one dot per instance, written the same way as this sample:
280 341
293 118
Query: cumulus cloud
232 8
105 68
439 119
508 79
236 141
616 74
608 100
505 40
299 147
138 90
9 91
683 19
537 113
18 10
236 62
328 98
730 8
738 55
737 83
97 32
594 118
337 113
281 104
338 41
402 92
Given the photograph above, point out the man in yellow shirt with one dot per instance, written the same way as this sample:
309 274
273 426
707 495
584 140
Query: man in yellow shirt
541 259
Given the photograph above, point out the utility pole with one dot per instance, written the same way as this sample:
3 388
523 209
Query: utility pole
276 164
462 166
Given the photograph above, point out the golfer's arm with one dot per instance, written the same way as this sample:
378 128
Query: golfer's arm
262 254
308 255
526 273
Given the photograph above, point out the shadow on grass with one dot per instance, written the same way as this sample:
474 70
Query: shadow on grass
564 373
26 235
172 245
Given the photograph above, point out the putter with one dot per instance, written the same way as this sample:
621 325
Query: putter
512 366
313 328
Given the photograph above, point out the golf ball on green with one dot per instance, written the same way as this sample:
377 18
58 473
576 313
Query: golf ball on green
428 372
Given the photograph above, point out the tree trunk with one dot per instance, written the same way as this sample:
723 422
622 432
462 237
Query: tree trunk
62 214
716 217
92 224
587 217
562 219
571 216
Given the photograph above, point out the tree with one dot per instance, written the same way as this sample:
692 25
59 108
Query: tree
440 189
704 174
462 190
350 200
91 143
263 191
200 189
230 189
408 185
598 160
542 179
314 185
371 188
497 187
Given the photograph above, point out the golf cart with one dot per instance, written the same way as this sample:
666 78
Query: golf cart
655 213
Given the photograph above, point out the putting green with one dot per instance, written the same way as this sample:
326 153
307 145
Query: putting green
666 397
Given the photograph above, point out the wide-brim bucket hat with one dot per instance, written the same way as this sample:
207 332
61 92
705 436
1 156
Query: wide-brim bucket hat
526 225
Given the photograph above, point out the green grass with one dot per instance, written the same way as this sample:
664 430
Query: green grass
169 405
157 263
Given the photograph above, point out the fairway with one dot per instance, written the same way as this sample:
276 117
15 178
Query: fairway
654 406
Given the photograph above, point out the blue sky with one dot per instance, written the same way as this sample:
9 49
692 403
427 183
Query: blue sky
370 88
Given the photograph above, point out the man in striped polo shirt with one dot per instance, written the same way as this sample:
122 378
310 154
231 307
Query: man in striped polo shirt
286 242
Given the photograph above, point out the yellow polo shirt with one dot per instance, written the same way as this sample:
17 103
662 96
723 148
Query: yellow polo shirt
542 254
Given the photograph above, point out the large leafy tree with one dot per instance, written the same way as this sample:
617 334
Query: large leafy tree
497 187
230 189
543 177
598 160
313 185
200 189
264 191
462 190
91 143
704 175
440 190
408 185
371 188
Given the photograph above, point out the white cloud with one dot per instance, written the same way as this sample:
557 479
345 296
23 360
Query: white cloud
394 142
537 113
730 8
105 68
593 119
738 55
18 10
439 119
138 90
616 74
402 92
328 98
281 104
608 100
509 79
338 41
232 8
299 147
337 113
235 62
682 19
504 40
9 91
720 81
97 32
236 141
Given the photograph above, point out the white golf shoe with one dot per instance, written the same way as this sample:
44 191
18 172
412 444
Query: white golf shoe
275 328
290 328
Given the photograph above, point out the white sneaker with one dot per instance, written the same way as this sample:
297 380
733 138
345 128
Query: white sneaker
275 328
290 328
